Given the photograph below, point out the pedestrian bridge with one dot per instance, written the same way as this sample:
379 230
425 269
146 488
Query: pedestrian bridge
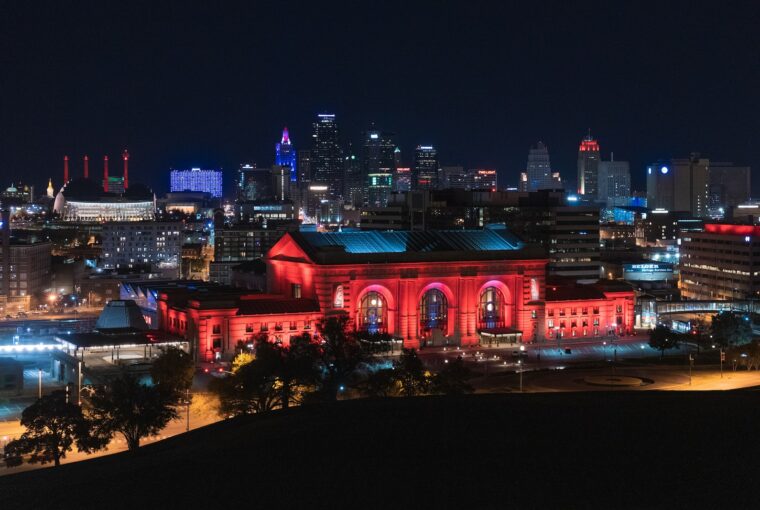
673 307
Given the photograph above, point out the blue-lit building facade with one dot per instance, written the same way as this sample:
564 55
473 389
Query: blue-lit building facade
285 155
196 179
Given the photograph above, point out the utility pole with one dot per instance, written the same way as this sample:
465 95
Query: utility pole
39 383
722 359
691 362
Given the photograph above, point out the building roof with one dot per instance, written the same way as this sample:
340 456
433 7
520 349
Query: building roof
121 315
413 246
277 306
576 292
121 338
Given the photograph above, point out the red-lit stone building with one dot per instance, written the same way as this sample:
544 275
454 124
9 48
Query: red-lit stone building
425 288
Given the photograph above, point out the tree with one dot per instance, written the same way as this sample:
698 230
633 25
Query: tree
381 383
53 427
452 379
729 330
662 339
242 359
173 370
251 389
133 409
340 354
411 373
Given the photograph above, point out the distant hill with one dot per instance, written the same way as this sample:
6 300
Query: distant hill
589 450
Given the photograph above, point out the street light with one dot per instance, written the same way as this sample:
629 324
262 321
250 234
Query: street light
79 390
519 364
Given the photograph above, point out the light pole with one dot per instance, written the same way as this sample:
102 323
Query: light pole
79 389
39 383
519 364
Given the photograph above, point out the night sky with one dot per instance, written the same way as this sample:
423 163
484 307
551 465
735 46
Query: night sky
212 83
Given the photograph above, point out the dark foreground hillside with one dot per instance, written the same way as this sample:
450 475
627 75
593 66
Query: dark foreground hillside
599 450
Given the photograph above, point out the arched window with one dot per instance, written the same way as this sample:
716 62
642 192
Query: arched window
372 312
338 297
434 311
490 310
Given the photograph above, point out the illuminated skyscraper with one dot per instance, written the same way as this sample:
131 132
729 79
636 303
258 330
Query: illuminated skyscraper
195 179
326 156
588 168
378 165
285 155
426 167
614 180
539 169
354 181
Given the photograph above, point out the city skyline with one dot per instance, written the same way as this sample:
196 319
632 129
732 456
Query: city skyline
148 101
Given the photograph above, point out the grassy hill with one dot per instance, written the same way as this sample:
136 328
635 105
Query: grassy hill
589 450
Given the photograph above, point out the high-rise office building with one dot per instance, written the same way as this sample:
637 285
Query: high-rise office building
378 165
379 187
453 177
254 183
195 179
354 181
304 168
680 185
326 156
402 179
721 263
154 244
285 155
281 175
426 167
538 171
588 168
729 187
397 157
483 179
614 180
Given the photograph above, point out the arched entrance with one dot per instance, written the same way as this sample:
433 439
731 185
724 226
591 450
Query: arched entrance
491 309
373 313
434 312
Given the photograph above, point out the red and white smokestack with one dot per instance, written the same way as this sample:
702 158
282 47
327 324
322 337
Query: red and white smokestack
105 174
125 156
86 167
65 170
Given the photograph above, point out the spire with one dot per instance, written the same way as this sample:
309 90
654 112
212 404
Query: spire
285 135
125 157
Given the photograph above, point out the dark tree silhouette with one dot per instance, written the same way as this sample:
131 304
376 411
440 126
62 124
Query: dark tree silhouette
251 389
452 379
729 330
173 371
340 354
662 339
381 383
411 373
53 427
131 408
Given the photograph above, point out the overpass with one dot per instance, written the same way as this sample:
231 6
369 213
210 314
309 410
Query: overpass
673 307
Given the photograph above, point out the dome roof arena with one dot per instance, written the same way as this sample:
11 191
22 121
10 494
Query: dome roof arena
83 200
